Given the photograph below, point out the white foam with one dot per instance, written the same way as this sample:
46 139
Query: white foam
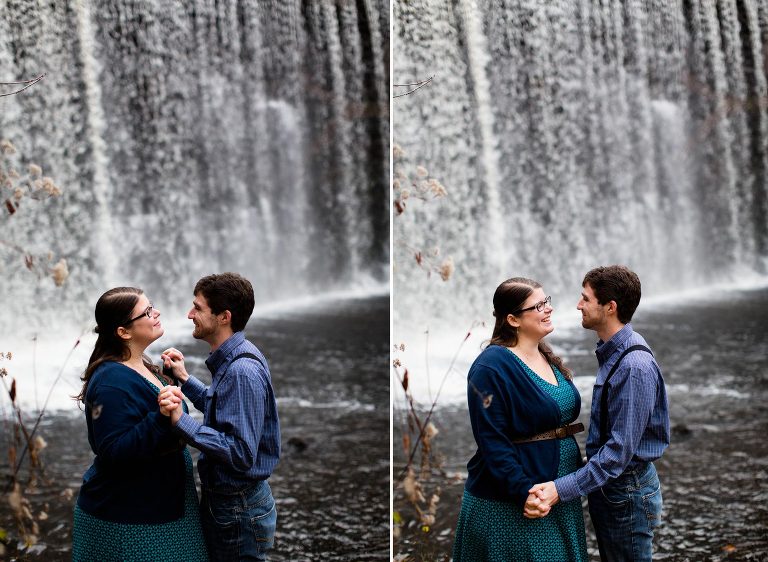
705 390
343 405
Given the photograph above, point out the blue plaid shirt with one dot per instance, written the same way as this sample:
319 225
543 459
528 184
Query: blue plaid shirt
638 416
243 445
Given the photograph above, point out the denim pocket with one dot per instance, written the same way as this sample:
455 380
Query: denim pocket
223 514
652 504
613 497
263 525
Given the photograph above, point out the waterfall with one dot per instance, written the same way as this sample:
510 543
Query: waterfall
626 132
196 137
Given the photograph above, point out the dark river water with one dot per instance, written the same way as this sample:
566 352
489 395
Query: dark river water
329 369
714 356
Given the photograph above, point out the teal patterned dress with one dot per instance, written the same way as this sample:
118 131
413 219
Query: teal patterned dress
94 539
495 531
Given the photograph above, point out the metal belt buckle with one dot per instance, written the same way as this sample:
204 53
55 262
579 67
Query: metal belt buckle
561 432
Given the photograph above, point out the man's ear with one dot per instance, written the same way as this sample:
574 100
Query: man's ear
612 307
225 318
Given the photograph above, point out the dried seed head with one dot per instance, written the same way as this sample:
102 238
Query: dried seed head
6 147
60 272
437 189
397 151
430 431
421 171
39 443
35 170
412 488
433 501
447 268
14 498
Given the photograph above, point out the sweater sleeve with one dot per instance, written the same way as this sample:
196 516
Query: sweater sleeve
122 431
490 410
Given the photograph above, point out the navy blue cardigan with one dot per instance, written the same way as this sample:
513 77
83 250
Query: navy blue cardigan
138 473
501 470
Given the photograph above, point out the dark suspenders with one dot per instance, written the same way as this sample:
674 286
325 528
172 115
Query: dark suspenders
212 408
604 394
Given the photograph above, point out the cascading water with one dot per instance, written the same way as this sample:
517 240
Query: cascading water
576 134
196 137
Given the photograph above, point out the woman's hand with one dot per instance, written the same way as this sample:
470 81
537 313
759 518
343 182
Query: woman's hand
169 400
535 508
540 500
174 359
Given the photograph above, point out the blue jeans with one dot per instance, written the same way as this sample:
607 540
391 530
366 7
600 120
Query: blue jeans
625 512
239 525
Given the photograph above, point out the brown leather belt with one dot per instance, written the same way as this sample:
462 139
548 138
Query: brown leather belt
559 433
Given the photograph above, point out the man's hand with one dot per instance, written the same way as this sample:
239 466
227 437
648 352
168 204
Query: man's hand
174 359
169 400
546 493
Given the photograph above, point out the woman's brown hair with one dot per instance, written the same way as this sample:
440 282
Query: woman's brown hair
113 309
508 299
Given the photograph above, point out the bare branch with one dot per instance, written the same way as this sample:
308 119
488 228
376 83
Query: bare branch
417 84
28 83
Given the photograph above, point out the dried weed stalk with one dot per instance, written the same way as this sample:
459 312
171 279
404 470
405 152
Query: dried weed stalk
418 481
19 184
418 185
26 441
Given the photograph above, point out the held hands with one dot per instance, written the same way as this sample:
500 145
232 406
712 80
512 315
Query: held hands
540 500
169 400
174 359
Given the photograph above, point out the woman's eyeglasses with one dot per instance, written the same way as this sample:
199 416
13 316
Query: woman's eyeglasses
539 306
150 310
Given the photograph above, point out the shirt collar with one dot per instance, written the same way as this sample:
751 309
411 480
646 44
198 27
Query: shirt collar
218 357
606 349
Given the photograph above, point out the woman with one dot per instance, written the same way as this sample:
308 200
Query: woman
518 392
138 499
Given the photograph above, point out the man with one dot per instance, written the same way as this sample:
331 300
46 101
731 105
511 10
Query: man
629 425
239 438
